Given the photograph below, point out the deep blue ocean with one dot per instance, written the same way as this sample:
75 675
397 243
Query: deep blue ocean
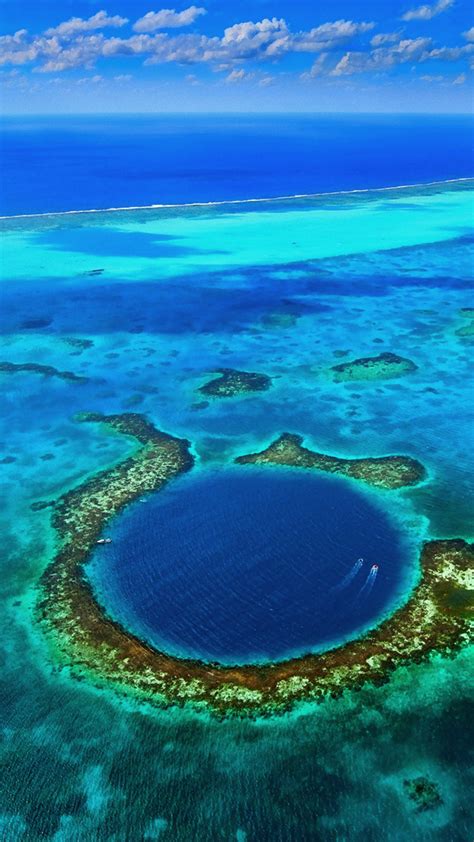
82 162
241 566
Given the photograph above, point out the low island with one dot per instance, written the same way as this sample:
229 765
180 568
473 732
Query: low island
384 366
230 383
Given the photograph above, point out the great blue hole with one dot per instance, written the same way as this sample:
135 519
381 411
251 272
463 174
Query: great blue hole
249 565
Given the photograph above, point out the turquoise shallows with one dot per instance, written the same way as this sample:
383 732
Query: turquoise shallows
148 305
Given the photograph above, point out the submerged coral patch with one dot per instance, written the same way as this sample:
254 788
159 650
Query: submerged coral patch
382 471
382 367
92 644
37 368
423 792
466 331
78 342
231 383
280 320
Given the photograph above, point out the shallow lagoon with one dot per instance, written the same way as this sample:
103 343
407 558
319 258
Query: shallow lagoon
160 326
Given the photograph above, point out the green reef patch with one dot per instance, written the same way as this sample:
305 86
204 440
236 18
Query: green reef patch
389 472
46 370
232 383
423 792
280 320
385 366
85 639
466 331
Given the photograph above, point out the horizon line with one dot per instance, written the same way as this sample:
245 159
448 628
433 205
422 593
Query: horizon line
256 113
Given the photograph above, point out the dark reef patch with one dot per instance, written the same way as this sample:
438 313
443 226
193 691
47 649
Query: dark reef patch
77 342
383 367
91 644
37 368
38 505
35 324
382 471
231 383
423 792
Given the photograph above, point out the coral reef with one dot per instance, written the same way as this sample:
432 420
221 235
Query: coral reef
435 619
47 370
423 792
383 367
466 331
382 471
232 382
77 342
281 320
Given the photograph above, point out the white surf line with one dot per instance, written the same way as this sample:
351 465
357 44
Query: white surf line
221 202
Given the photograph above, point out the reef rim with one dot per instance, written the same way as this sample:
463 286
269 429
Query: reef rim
436 617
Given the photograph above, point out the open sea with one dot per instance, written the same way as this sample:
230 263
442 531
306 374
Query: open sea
236 563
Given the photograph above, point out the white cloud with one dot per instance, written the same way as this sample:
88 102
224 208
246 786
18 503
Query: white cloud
74 26
451 53
123 77
266 81
75 44
318 68
78 44
83 52
460 80
469 34
249 38
329 35
87 80
168 19
238 76
427 78
427 12
11 41
384 38
409 49
16 49
353 62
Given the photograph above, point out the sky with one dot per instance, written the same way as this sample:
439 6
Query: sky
71 56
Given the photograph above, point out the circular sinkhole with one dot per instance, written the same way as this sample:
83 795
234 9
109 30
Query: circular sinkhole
251 565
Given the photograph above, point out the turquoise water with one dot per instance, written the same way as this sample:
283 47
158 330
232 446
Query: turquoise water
288 289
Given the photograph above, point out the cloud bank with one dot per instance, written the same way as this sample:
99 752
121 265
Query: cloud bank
341 48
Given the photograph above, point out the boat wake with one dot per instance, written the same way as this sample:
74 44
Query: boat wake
369 582
350 576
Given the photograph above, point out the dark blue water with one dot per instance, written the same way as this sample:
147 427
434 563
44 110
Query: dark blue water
250 564
79 162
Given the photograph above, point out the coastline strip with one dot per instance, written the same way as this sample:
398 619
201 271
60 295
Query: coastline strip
257 200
